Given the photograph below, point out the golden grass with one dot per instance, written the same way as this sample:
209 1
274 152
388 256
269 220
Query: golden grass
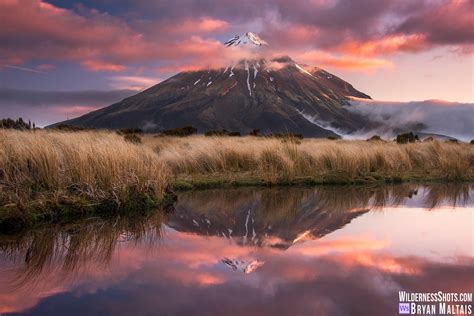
275 160
98 167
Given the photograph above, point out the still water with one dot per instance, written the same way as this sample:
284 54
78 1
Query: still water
285 251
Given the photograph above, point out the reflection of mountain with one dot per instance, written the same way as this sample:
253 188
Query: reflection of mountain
263 217
280 217
275 217
118 265
244 266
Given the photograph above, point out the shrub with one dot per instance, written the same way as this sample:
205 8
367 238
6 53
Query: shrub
8 123
286 135
180 131
375 138
407 138
222 132
132 138
254 132
69 128
125 131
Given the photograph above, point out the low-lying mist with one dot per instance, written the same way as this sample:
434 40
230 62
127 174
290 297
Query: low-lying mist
430 116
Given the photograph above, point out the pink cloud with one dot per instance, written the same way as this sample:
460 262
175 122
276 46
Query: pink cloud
344 62
364 30
99 42
75 110
386 45
95 65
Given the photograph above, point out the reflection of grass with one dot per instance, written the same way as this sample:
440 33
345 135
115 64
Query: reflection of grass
46 174
73 247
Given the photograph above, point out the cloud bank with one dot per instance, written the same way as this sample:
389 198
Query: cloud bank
430 116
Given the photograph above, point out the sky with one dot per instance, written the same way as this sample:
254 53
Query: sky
60 59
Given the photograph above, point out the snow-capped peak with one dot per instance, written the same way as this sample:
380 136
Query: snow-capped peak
247 38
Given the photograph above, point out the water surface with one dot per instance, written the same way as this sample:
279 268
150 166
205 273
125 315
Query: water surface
284 251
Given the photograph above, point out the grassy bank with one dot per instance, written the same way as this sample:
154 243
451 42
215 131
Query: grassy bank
215 161
49 174
44 175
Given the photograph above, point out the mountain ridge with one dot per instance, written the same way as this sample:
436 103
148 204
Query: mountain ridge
274 96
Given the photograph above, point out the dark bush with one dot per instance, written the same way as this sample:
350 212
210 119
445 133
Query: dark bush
132 138
222 132
180 131
8 123
472 142
69 128
332 138
375 138
407 138
254 132
286 135
125 131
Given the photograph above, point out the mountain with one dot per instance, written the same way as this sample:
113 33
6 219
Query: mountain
275 96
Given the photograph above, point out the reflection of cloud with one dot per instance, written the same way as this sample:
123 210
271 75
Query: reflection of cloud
339 281
341 245
127 261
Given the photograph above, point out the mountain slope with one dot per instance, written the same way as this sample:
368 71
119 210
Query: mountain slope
273 96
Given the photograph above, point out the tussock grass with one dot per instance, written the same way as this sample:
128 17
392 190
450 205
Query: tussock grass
90 168
275 160
44 169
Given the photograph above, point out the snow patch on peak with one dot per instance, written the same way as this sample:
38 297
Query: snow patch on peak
254 38
303 70
247 38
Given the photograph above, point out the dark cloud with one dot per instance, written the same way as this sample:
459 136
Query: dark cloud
38 97
46 107
450 23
